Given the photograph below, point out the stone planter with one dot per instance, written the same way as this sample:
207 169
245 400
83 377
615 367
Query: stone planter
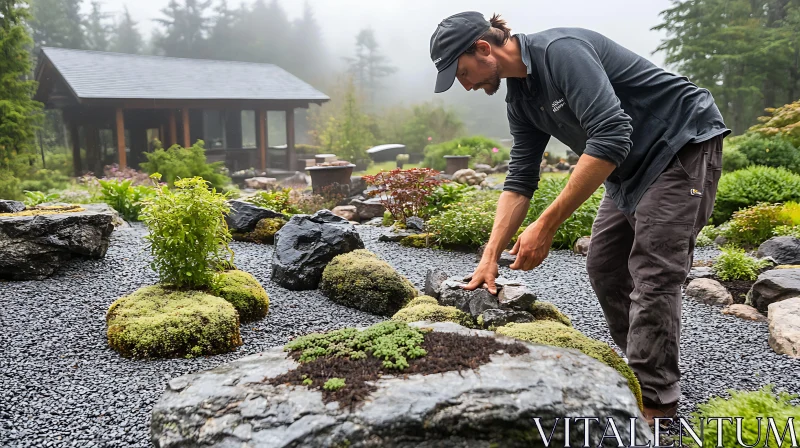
455 163
324 176
325 158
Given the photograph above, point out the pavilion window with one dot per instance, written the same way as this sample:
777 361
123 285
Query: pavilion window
214 129
248 129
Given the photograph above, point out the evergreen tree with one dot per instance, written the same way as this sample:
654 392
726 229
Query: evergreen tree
311 59
369 65
186 27
97 29
18 112
127 38
223 40
57 23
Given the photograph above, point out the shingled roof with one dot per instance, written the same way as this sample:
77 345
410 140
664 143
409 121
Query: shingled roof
95 75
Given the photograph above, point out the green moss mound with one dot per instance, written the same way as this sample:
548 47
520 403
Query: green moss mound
359 279
264 232
547 311
420 300
433 313
394 342
154 322
245 293
547 332
421 240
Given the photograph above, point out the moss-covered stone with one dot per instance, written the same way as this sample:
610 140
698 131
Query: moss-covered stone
154 322
420 300
245 293
547 332
47 210
547 311
420 240
264 232
359 279
433 313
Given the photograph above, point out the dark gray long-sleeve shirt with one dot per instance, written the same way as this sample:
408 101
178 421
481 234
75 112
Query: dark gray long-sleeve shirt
601 99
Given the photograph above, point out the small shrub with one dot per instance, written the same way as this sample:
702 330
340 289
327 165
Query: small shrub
245 293
774 151
188 234
181 163
754 225
328 197
124 197
733 160
791 211
483 151
277 201
444 195
752 185
787 231
468 222
45 180
735 264
404 193
361 280
155 322
750 406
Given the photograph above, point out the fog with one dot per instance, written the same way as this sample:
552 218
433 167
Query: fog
403 30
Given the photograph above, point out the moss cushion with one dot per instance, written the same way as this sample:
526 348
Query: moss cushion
547 311
245 293
420 300
433 313
154 322
263 233
552 333
359 279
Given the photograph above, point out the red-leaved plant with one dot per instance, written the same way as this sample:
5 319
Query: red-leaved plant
404 193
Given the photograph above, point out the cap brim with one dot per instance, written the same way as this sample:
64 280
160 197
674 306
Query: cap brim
446 77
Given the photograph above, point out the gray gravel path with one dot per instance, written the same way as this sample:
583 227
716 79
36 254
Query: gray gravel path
61 386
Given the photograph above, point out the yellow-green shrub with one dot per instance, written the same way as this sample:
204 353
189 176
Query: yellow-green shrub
244 292
754 225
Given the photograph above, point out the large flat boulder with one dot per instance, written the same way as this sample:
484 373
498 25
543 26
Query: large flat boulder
306 244
784 327
33 247
244 216
492 405
782 249
773 286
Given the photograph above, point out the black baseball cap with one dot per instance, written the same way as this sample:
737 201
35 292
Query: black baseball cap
453 37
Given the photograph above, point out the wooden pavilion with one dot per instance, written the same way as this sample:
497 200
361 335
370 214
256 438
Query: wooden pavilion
130 100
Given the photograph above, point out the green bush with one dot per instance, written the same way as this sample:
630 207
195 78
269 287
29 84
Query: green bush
552 333
177 162
278 201
754 225
155 322
45 180
706 236
787 231
480 148
125 198
444 195
468 222
733 160
577 225
245 293
9 186
188 234
359 279
749 405
734 264
774 151
34 198
747 187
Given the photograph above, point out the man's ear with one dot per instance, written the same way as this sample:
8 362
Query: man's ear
483 48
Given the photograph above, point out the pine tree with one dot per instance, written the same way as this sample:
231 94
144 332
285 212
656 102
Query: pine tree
369 65
97 29
18 112
127 38
57 23
186 27
223 40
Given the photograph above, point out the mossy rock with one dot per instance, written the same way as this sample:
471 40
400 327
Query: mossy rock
421 240
45 210
359 279
264 232
245 293
420 300
433 313
547 311
547 332
154 322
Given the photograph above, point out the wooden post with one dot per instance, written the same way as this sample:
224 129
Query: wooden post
185 121
173 129
121 139
290 140
262 138
76 148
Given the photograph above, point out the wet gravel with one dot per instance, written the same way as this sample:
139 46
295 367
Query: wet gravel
61 386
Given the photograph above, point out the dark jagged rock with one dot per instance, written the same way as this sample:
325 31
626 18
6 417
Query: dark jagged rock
244 216
415 223
7 206
306 244
499 317
433 282
782 249
774 286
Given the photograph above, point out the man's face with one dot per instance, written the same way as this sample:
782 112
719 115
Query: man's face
478 71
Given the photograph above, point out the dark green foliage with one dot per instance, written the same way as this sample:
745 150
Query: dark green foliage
577 225
277 201
177 162
394 342
752 226
34 198
735 264
188 234
754 184
446 194
482 150
468 222
774 151
244 292
361 280
57 23
126 38
733 160
44 180
125 198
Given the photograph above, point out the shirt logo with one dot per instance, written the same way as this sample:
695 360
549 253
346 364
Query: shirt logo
437 61
558 104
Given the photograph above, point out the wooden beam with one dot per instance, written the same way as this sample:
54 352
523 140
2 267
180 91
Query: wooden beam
173 129
290 140
185 124
262 138
121 139
76 148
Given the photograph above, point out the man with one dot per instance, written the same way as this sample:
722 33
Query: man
653 138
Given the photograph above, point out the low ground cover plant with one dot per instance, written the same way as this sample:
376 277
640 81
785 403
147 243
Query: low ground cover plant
734 264
124 197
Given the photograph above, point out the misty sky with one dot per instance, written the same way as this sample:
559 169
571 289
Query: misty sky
403 29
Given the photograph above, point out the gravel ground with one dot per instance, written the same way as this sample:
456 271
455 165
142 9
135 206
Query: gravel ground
60 384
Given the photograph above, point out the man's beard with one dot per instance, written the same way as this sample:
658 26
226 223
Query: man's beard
492 83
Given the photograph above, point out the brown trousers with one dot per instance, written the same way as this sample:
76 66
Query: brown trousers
637 264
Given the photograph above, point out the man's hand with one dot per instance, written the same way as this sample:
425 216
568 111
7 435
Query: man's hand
484 276
532 247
